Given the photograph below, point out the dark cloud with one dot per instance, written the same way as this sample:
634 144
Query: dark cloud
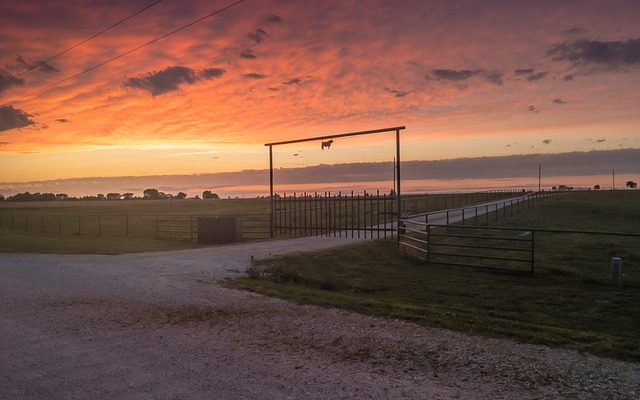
455 75
254 75
537 76
567 78
4 143
258 36
11 118
530 73
559 101
576 30
462 75
547 141
210 73
612 54
171 78
523 71
7 81
248 54
62 120
396 93
167 80
600 140
532 109
293 81
39 65
274 19
274 89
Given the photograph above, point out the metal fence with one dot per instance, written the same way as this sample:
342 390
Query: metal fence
366 215
574 254
140 226
340 215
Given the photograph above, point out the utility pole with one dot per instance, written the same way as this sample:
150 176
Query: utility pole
539 177
613 179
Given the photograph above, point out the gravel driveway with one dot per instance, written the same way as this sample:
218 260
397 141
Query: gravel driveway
159 326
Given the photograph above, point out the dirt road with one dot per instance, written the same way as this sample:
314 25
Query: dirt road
159 326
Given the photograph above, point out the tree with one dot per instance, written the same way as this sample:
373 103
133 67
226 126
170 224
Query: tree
181 196
113 196
207 194
62 196
596 187
631 185
127 196
151 194
1 197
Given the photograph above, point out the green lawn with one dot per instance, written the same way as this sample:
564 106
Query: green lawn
549 308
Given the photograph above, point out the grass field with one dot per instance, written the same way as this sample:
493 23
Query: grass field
548 308
135 207
110 226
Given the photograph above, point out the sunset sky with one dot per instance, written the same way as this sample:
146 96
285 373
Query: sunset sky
468 79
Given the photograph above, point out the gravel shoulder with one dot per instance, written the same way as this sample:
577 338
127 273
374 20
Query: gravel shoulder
159 325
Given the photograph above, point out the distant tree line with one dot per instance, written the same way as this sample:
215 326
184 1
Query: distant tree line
147 194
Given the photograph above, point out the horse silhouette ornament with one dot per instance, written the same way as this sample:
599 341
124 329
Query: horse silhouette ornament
326 144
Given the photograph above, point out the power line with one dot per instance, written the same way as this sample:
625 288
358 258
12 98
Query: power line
43 62
96 66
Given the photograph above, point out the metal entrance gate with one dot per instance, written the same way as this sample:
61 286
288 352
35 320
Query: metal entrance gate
335 214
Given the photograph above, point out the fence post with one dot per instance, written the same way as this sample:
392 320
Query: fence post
533 251
447 217
428 244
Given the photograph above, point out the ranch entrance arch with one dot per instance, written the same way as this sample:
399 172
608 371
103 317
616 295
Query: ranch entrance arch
369 215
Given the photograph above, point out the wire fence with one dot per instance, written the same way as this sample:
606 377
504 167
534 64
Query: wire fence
416 204
139 226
